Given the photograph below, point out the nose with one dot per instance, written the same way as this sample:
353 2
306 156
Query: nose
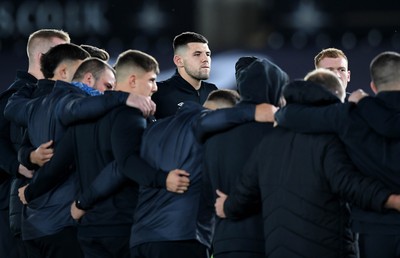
338 74
205 58
154 88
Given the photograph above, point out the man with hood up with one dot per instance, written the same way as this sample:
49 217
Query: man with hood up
258 81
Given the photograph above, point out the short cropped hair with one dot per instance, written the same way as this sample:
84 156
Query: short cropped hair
225 97
96 52
328 80
93 65
58 54
385 69
43 37
135 59
328 52
188 37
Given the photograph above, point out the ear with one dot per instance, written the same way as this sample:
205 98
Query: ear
88 79
178 61
348 76
373 87
61 72
132 81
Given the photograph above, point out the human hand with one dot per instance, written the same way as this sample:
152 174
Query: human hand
178 181
22 170
76 213
42 154
219 204
145 104
265 112
21 194
357 95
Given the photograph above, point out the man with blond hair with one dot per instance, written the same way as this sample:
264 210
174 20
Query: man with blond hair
12 173
335 60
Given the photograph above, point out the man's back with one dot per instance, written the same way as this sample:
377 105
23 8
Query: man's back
303 180
373 154
225 158
96 144
163 216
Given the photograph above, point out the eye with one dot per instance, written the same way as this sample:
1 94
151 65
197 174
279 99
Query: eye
108 86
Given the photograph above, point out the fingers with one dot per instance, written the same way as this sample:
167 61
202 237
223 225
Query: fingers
220 194
178 181
21 194
46 144
144 104
182 173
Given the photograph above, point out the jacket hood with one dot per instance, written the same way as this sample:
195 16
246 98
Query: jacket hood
259 80
310 93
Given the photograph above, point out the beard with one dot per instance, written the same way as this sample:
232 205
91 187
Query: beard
201 74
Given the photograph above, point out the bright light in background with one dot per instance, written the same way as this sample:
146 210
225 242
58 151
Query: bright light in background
307 17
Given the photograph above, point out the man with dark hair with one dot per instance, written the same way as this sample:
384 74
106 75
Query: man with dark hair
46 223
12 173
104 230
375 154
59 104
192 58
96 52
94 76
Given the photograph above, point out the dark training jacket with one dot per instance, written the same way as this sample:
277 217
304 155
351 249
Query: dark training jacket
92 147
174 142
10 140
174 91
258 81
302 181
50 213
373 154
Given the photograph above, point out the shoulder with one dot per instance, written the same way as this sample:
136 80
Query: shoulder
208 85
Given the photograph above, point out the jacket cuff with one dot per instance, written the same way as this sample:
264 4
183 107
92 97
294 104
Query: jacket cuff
161 179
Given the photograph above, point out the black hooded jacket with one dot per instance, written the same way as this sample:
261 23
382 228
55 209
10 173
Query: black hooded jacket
301 180
373 154
258 81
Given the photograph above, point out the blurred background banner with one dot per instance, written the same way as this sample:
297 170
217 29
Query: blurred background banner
289 32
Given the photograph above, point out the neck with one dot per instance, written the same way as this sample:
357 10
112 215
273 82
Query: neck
196 84
36 72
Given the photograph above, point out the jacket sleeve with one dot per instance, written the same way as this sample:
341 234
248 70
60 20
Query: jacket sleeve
19 105
380 118
345 180
8 156
215 121
24 153
56 170
126 138
76 107
108 181
311 119
245 200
